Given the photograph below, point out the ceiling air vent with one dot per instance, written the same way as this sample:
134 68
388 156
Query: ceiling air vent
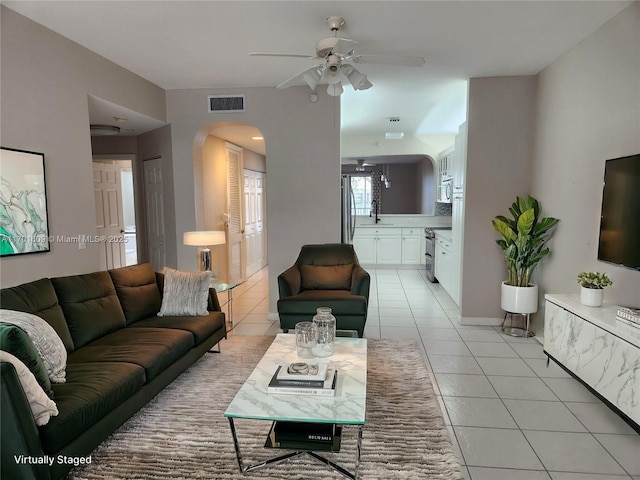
226 103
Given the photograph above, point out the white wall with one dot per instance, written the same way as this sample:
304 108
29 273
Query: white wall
588 111
499 155
303 166
45 81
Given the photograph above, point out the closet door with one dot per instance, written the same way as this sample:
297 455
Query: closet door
234 217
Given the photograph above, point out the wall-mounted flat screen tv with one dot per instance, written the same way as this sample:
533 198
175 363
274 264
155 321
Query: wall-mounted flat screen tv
619 241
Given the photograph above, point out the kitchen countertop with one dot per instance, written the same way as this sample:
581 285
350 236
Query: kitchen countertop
404 221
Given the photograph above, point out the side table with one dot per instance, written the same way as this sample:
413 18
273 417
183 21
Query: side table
227 287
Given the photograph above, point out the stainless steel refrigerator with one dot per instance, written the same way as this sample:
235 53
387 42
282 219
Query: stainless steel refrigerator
348 210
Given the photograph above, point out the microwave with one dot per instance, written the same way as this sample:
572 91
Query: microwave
446 191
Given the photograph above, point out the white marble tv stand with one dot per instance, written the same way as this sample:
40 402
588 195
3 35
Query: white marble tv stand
597 349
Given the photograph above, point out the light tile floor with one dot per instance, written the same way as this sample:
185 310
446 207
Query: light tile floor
510 415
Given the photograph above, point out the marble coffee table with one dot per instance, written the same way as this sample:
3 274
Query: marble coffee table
347 407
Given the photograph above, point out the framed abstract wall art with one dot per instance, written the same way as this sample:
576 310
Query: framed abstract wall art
23 203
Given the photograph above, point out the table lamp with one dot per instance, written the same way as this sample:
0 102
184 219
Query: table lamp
204 239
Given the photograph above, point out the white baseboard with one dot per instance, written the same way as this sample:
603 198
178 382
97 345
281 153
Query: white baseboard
481 321
393 266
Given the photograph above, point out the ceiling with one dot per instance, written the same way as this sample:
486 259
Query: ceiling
205 44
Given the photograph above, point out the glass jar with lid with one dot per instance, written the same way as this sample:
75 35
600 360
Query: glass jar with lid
326 330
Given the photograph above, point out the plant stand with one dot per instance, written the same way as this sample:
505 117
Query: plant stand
517 331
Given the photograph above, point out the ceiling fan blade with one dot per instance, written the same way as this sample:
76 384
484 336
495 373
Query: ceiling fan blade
291 55
404 60
310 75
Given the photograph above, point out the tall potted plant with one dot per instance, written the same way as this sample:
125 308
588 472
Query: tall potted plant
523 243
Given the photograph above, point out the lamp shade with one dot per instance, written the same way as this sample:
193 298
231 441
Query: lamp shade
204 238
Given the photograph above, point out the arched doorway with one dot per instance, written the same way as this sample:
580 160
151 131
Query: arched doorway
230 195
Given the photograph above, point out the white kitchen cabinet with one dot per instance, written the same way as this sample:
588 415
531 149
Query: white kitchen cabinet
446 167
447 266
388 250
378 245
412 246
365 247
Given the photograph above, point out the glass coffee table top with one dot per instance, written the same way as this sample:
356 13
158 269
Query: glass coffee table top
347 407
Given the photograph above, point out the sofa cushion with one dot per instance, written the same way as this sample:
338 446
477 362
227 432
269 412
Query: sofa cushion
39 298
15 341
90 305
202 327
185 293
42 407
92 390
329 277
137 290
154 349
341 302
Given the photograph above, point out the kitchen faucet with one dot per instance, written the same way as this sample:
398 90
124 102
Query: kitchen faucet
374 203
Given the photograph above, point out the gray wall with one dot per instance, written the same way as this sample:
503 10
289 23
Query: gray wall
302 142
499 154
549 135
588 111
44 87
412 187
403 196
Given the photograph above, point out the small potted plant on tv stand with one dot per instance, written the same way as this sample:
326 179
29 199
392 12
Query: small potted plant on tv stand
523 244
592 288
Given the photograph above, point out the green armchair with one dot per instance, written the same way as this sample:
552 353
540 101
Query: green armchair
327 275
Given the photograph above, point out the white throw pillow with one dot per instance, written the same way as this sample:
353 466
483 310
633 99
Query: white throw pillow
47 342
185 293
42 407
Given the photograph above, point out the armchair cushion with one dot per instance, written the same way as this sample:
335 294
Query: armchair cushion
329 277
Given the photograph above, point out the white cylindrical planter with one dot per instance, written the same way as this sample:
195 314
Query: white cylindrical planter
591 297
522 300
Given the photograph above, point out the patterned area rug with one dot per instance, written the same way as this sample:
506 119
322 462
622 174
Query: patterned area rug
182 433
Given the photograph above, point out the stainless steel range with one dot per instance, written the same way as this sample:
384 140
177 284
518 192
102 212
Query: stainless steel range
430 254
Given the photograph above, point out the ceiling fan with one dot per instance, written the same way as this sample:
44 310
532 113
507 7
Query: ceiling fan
337 56
361 164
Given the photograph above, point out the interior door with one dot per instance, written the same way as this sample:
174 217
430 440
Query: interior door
234 220
154 212
109 215
254 208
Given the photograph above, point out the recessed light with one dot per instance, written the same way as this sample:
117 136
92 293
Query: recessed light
121 119
257 138
394 135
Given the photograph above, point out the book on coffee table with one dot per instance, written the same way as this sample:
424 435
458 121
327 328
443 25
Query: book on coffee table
303 432
303 371
305 436
326 387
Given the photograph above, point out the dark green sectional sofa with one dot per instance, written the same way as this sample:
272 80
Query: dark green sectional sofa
120 355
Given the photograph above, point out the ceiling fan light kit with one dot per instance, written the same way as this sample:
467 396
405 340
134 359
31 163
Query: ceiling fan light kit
336 70
104 130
